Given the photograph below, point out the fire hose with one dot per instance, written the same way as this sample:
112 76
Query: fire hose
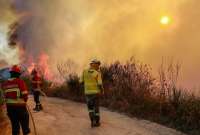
32 119
31 115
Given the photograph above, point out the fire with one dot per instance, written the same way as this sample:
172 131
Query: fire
44 66
30 69
41 65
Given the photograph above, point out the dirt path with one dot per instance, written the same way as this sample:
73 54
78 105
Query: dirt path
62 117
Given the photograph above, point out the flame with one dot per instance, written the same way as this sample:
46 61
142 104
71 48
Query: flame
44 66
41 65
31 67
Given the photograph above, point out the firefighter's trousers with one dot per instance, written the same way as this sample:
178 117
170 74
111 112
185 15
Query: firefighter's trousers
93 107
19 117
37 98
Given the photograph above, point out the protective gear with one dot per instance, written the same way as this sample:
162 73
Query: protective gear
93 108
95 61
38 105
19 116
16 95
92 80
15 92
36 86
36 82
15 69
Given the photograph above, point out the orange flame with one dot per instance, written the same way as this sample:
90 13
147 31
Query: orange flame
41 65
44 66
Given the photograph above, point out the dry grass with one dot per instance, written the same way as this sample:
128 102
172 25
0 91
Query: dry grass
130 88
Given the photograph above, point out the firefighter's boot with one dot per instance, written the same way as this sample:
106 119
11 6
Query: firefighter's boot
37 108
92 118
97 121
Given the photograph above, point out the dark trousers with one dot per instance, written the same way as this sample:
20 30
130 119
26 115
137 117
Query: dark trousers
93 107
19 117
37 97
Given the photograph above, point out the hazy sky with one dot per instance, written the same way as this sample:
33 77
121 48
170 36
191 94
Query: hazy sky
110 30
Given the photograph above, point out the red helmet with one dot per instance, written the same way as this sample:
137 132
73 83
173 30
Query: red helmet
34 72
16 69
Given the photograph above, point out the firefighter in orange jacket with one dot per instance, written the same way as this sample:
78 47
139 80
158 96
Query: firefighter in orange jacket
16 95
36 82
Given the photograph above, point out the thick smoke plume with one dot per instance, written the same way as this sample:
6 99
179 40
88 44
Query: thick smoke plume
110 30
7 17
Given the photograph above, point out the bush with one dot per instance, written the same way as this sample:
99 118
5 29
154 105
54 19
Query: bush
70 89
130 88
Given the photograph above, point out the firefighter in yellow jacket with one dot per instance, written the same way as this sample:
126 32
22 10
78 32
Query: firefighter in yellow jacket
91 78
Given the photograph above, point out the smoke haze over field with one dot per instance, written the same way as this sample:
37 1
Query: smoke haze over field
109 30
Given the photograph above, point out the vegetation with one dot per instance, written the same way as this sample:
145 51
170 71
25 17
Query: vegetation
131 89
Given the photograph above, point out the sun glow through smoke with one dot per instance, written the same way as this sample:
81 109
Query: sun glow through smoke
165 20
109 30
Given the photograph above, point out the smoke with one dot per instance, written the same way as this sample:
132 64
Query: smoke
110 30
81 29
181 43
7 55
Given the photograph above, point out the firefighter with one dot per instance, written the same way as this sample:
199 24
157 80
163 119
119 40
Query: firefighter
36 87
93 88
16 95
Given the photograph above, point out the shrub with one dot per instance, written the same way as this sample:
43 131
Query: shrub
130 88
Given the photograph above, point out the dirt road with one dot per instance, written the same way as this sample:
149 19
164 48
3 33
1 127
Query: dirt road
62 117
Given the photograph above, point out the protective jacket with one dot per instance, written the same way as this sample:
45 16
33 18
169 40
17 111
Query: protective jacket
92 80
15 92
36 83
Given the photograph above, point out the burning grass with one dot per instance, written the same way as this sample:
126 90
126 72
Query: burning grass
131 89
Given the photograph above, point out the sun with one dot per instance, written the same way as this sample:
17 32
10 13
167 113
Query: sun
165 20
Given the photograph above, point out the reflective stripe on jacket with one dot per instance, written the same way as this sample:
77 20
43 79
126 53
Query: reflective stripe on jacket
15 92
92 79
